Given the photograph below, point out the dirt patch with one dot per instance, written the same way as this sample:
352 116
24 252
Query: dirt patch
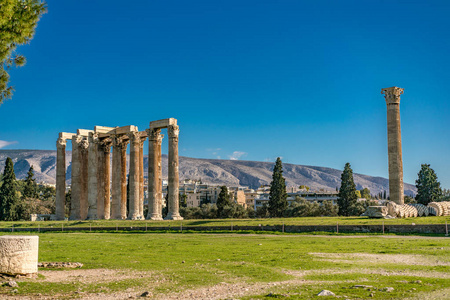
90 275
426 274
365 258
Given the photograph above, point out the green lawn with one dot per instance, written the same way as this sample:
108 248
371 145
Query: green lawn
234 222
255 266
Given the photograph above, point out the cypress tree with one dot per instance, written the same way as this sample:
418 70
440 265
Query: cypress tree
17 24
347 197
428 187
8 196
223 200
30 188
278 196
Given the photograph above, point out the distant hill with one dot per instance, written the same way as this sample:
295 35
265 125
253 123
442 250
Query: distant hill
214 171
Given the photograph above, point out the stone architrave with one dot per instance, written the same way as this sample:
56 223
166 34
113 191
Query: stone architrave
392 96
93 167
104 179
134 176
60 178
173 187
119 147
154 165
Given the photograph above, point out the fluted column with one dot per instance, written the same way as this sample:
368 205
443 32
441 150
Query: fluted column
123 181
173 188
392 96
154 161
78 209
134 176
104 179
93 169
141 177
60 178
119 148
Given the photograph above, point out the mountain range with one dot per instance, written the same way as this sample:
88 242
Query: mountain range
214 171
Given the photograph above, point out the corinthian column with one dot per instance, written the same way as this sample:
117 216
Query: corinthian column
104 179
134 176
154 162
119 148
60 178
141 177
173 188
93 176
392 96
78 209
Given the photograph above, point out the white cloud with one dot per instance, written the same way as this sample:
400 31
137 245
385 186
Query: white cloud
6 143
236 155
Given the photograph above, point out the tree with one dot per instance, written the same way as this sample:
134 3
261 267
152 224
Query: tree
365 193
8 196
428 187
347 197
17 25
223 200
30 188
183 200
277 196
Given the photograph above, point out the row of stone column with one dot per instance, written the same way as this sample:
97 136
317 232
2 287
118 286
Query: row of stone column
92 197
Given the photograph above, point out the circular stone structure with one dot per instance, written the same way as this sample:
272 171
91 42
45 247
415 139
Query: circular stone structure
18 254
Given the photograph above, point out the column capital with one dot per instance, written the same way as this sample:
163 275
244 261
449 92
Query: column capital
93 138
134 136
154 134
392 94
61 142
173 131
119 141
105 145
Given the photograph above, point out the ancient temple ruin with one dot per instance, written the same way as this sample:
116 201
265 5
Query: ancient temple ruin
101 193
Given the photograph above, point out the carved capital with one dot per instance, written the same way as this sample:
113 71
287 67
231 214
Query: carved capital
154 135
392 94
119 141
173 131
135 137
61 143
105 145
84 144
93 138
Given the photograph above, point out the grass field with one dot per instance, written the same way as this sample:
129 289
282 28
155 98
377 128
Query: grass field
234 222
224 266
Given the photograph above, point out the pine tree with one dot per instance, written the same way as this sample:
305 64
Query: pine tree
278 196
347 197
428 187
17 25
223 200
8 196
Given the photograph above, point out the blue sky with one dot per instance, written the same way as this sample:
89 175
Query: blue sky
248 80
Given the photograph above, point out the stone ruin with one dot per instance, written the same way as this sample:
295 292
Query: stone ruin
92 195
18 255
393 210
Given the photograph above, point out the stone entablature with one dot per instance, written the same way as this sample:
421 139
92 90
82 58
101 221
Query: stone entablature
92 197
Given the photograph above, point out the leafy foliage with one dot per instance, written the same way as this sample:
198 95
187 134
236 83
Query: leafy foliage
277 196
17 25
347 193
428 187
223 202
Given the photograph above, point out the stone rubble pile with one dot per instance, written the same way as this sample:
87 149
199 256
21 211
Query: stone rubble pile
418 210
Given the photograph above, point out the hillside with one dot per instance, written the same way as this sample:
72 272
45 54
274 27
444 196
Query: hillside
215 171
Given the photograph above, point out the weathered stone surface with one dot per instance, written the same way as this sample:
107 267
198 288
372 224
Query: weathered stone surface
326 293
60 265
376 211
396 190
18 254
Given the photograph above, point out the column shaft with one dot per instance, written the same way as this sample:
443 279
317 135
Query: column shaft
117 174
173 188
103 199
141 178
60 179
154 176
134 176
93 169
84 205
123 183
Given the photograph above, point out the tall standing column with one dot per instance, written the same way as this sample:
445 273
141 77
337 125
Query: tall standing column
60 178
154 161
93 184
173 188
104 179
78 205
134 176
123 181
119 147
392 96
141 177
